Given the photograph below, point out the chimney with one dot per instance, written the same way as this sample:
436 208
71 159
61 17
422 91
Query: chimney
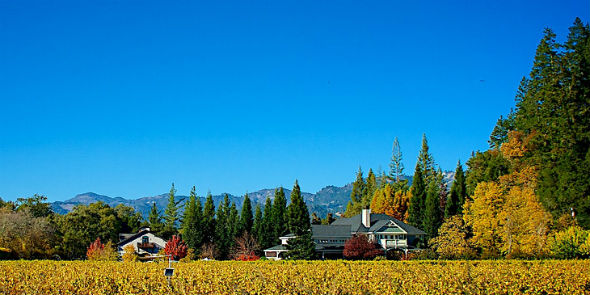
366 217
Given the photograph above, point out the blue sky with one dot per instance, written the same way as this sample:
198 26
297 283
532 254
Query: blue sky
123 98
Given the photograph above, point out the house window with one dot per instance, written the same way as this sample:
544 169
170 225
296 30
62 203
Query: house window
145 239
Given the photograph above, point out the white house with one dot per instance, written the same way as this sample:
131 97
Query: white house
146 244
384 230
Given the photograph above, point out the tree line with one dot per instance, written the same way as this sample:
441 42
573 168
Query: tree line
30 229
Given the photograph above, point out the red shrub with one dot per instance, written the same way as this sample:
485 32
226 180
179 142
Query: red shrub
359 247
176 247
94 251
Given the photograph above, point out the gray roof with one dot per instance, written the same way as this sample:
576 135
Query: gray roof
377 222
277 248
327 231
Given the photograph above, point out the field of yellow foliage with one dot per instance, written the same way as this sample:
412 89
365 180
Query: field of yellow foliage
299 277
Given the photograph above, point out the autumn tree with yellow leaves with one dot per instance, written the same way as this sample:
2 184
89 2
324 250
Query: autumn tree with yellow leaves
506 216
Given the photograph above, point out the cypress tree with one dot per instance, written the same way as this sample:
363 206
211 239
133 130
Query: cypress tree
233 220
170 215
267 231
246 216
258 225
418 200
197 227
279 215
155 220
208 220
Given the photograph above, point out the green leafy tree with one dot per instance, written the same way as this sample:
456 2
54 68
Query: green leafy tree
485 167
80 227
37 205
130 219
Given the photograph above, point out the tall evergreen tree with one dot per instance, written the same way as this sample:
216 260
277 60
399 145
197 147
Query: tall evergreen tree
396 167
426 161
359 189
258 225
209 220
458 194
246 216
418 199
432 213
155 220
223 236
302 246
170 215
189 220
279 215
297 213
233 220
267 231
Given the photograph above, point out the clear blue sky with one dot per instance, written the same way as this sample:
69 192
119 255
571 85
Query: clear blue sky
125 97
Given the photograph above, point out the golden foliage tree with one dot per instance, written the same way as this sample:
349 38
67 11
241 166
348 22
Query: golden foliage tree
451 242
506 215
393 203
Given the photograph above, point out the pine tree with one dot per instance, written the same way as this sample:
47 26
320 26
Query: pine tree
457 196
279 215
246 216
170 215
233 221
208 220
396 166
258 225
155 220
301 247
426 161
359 188
189 221
418 200
297 213
268 229
223 236
432 215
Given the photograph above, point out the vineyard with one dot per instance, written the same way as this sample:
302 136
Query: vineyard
301 277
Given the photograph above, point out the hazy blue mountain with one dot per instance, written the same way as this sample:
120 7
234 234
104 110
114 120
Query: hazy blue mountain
329 199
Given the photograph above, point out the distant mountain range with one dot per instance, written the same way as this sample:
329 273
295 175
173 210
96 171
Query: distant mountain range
330 199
